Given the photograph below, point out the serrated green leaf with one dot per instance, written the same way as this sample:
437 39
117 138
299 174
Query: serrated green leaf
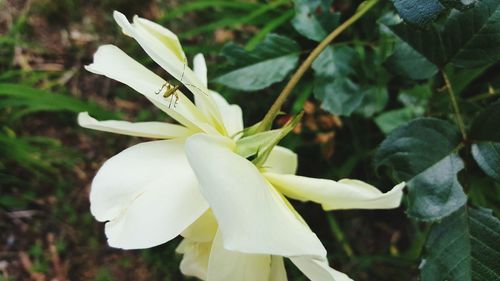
436 192
487 156
268 63
486 137
392 119
375 100
463 247
458 4
418 12
485 125
423 153
335 62
466 39
339 96
408 63
314 19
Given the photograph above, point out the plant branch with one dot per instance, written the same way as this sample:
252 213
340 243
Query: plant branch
275 108
456 109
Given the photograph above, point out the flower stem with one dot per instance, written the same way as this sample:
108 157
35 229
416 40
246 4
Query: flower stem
339 235
456 109
275 108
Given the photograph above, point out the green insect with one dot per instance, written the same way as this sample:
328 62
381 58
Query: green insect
171 91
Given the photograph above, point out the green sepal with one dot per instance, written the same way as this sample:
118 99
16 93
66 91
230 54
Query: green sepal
260 145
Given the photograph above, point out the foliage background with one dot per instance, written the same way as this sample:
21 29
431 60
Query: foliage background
372 79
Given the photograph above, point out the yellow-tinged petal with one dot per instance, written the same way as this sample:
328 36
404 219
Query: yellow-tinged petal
251 215
232 116
318 269
195 258
278 271
148 193
164 35
203 229
165 56
157 130
281 160
332 195
225 265
112 62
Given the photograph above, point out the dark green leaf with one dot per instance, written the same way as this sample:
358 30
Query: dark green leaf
487 156
423 154
392 119
335 62
314 19
339 96
408 63
268 63
435 193
466 39
464 246
486 136
375 100
418 12
485 125
411 149
458 4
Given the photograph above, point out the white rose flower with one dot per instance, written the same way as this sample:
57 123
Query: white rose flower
196 180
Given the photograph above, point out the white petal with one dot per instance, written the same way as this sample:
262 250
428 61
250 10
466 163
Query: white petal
225 265
158 130
318 269
251 214
332 195
112 62
200 68
148 193
164 35
232 115
203 229
165 56
195 258
278 272
281 160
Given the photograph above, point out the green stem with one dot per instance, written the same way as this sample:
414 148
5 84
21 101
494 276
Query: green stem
484 96
275 108
339 235
456 109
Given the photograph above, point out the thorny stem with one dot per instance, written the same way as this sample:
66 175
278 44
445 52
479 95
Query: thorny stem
456 109
275 108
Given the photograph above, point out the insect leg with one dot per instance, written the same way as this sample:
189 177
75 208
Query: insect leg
161 89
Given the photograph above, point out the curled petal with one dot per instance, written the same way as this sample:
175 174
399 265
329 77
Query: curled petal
195 258
164 35
318 269
225 265
112 62
252 215
165 56
157 130
232 116
148 193
203 229
332 195
281 160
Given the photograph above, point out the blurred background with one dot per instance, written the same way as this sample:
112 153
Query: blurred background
47 161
